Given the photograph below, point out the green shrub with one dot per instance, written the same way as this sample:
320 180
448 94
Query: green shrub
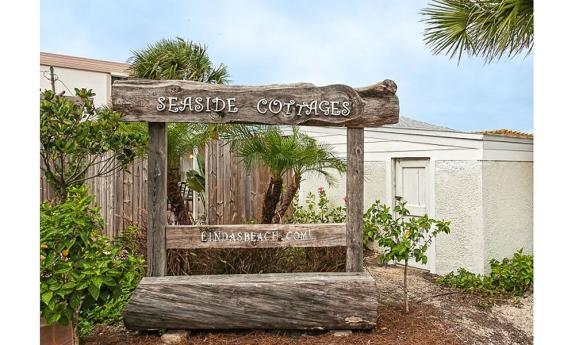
316 210
375 215
510 276
75 135
463 279
80 269
111 311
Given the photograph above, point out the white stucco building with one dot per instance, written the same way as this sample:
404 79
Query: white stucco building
481 182
78 72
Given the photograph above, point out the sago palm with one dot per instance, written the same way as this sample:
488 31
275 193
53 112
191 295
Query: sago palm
313 158
490 29
281 153
172 59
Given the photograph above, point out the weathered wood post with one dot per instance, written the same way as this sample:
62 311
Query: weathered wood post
211 171
354 195
157 198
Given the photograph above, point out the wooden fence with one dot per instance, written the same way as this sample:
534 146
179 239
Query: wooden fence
122 196
234 195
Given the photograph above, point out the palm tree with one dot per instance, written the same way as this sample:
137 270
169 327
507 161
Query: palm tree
172 59
282 153
176 59
490 29
312 158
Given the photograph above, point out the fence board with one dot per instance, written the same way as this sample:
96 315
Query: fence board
233 194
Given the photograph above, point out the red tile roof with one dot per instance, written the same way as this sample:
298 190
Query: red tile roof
508 133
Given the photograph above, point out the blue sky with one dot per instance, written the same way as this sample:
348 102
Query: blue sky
323 42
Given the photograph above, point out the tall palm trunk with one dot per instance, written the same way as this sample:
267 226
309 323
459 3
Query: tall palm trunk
177 202
287 199
271 199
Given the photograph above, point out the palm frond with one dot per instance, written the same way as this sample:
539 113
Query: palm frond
176 59
490 29
296 152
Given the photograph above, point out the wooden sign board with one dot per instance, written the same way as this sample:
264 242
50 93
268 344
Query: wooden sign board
288 104
255 236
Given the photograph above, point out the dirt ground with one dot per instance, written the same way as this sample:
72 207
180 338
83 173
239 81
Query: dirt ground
437 316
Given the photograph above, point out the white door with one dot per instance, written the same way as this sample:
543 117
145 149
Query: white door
412 185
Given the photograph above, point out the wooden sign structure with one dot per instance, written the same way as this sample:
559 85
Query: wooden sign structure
333 300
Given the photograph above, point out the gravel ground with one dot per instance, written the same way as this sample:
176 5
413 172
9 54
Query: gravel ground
437 316
507 322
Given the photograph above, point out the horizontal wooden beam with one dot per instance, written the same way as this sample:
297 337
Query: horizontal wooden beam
283 104
255 236
334 300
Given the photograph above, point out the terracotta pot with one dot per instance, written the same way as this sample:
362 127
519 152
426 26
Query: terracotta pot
56 334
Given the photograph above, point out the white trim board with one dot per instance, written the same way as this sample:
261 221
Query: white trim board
385 142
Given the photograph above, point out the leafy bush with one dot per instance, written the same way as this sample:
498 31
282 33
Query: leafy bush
80 269
107 313
510 276
75 135
513 275
111 311
463 279
314 211
376 215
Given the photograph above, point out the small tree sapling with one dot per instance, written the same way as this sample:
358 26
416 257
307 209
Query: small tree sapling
401 236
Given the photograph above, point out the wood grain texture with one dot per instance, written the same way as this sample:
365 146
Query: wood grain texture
337 300
255 236
371 106
157 199
354 193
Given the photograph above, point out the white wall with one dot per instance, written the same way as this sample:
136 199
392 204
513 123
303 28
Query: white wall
72 78
508 208
490 205
374 185
458 198
482 183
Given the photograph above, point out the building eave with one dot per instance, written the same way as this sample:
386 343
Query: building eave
85 64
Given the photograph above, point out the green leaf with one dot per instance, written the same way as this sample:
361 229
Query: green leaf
75 302
51 318
97 281
94 291
47 297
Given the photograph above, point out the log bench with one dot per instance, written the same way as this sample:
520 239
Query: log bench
306 301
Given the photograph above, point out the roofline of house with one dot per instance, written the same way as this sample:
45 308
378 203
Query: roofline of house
429 133
454 134
85 64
